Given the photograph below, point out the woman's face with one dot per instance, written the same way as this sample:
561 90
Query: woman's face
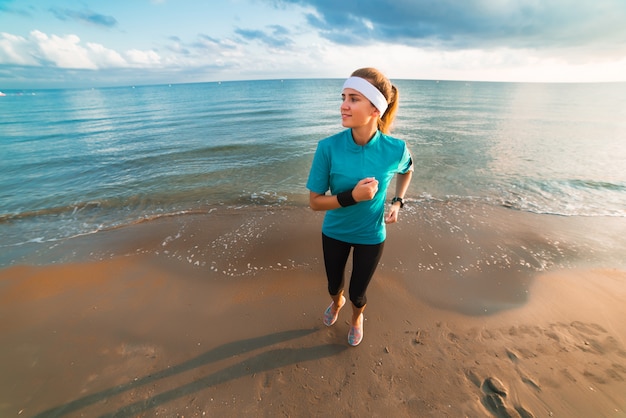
356 109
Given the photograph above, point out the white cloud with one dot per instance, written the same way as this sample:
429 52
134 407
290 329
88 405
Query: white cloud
15 50
139 58
64 51
67 51
104 57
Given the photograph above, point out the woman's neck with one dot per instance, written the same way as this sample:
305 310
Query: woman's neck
363 134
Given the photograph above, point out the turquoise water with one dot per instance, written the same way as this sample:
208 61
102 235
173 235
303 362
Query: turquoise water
78 161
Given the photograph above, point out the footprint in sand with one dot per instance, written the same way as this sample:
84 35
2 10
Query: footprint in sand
588 329
495 400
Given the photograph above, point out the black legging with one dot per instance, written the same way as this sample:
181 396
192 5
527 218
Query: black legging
364 262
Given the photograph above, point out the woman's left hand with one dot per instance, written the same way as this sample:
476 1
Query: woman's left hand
392 216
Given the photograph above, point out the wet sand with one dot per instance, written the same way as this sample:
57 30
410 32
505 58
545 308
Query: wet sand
478 313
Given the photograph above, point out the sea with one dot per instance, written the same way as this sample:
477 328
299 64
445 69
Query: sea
75 162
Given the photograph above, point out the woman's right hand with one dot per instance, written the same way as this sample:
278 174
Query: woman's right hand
365 189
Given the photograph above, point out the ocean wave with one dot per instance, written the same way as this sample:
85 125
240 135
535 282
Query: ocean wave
71 209
573 197
49 225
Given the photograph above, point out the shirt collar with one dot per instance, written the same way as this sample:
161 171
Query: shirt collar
356 147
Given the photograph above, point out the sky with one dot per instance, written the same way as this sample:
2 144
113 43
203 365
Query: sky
89 43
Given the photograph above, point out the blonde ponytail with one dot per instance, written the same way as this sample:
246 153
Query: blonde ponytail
388 90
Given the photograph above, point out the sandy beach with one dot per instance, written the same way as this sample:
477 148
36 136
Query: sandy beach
497 313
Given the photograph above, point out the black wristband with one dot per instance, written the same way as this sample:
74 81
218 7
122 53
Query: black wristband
346 199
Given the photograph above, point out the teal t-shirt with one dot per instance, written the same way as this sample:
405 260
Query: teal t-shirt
339 164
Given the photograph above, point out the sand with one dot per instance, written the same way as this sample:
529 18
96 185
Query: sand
493 314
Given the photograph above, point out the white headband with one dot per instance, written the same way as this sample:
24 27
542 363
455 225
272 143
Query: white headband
368 90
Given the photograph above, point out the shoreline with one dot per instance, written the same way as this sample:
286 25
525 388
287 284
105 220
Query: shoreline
221 316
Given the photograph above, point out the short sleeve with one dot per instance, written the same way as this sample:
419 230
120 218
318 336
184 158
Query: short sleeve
406 162
319 175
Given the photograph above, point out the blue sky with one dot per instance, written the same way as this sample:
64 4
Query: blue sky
61 43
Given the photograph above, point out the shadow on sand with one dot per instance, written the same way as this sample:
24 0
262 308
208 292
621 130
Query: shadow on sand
269 360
